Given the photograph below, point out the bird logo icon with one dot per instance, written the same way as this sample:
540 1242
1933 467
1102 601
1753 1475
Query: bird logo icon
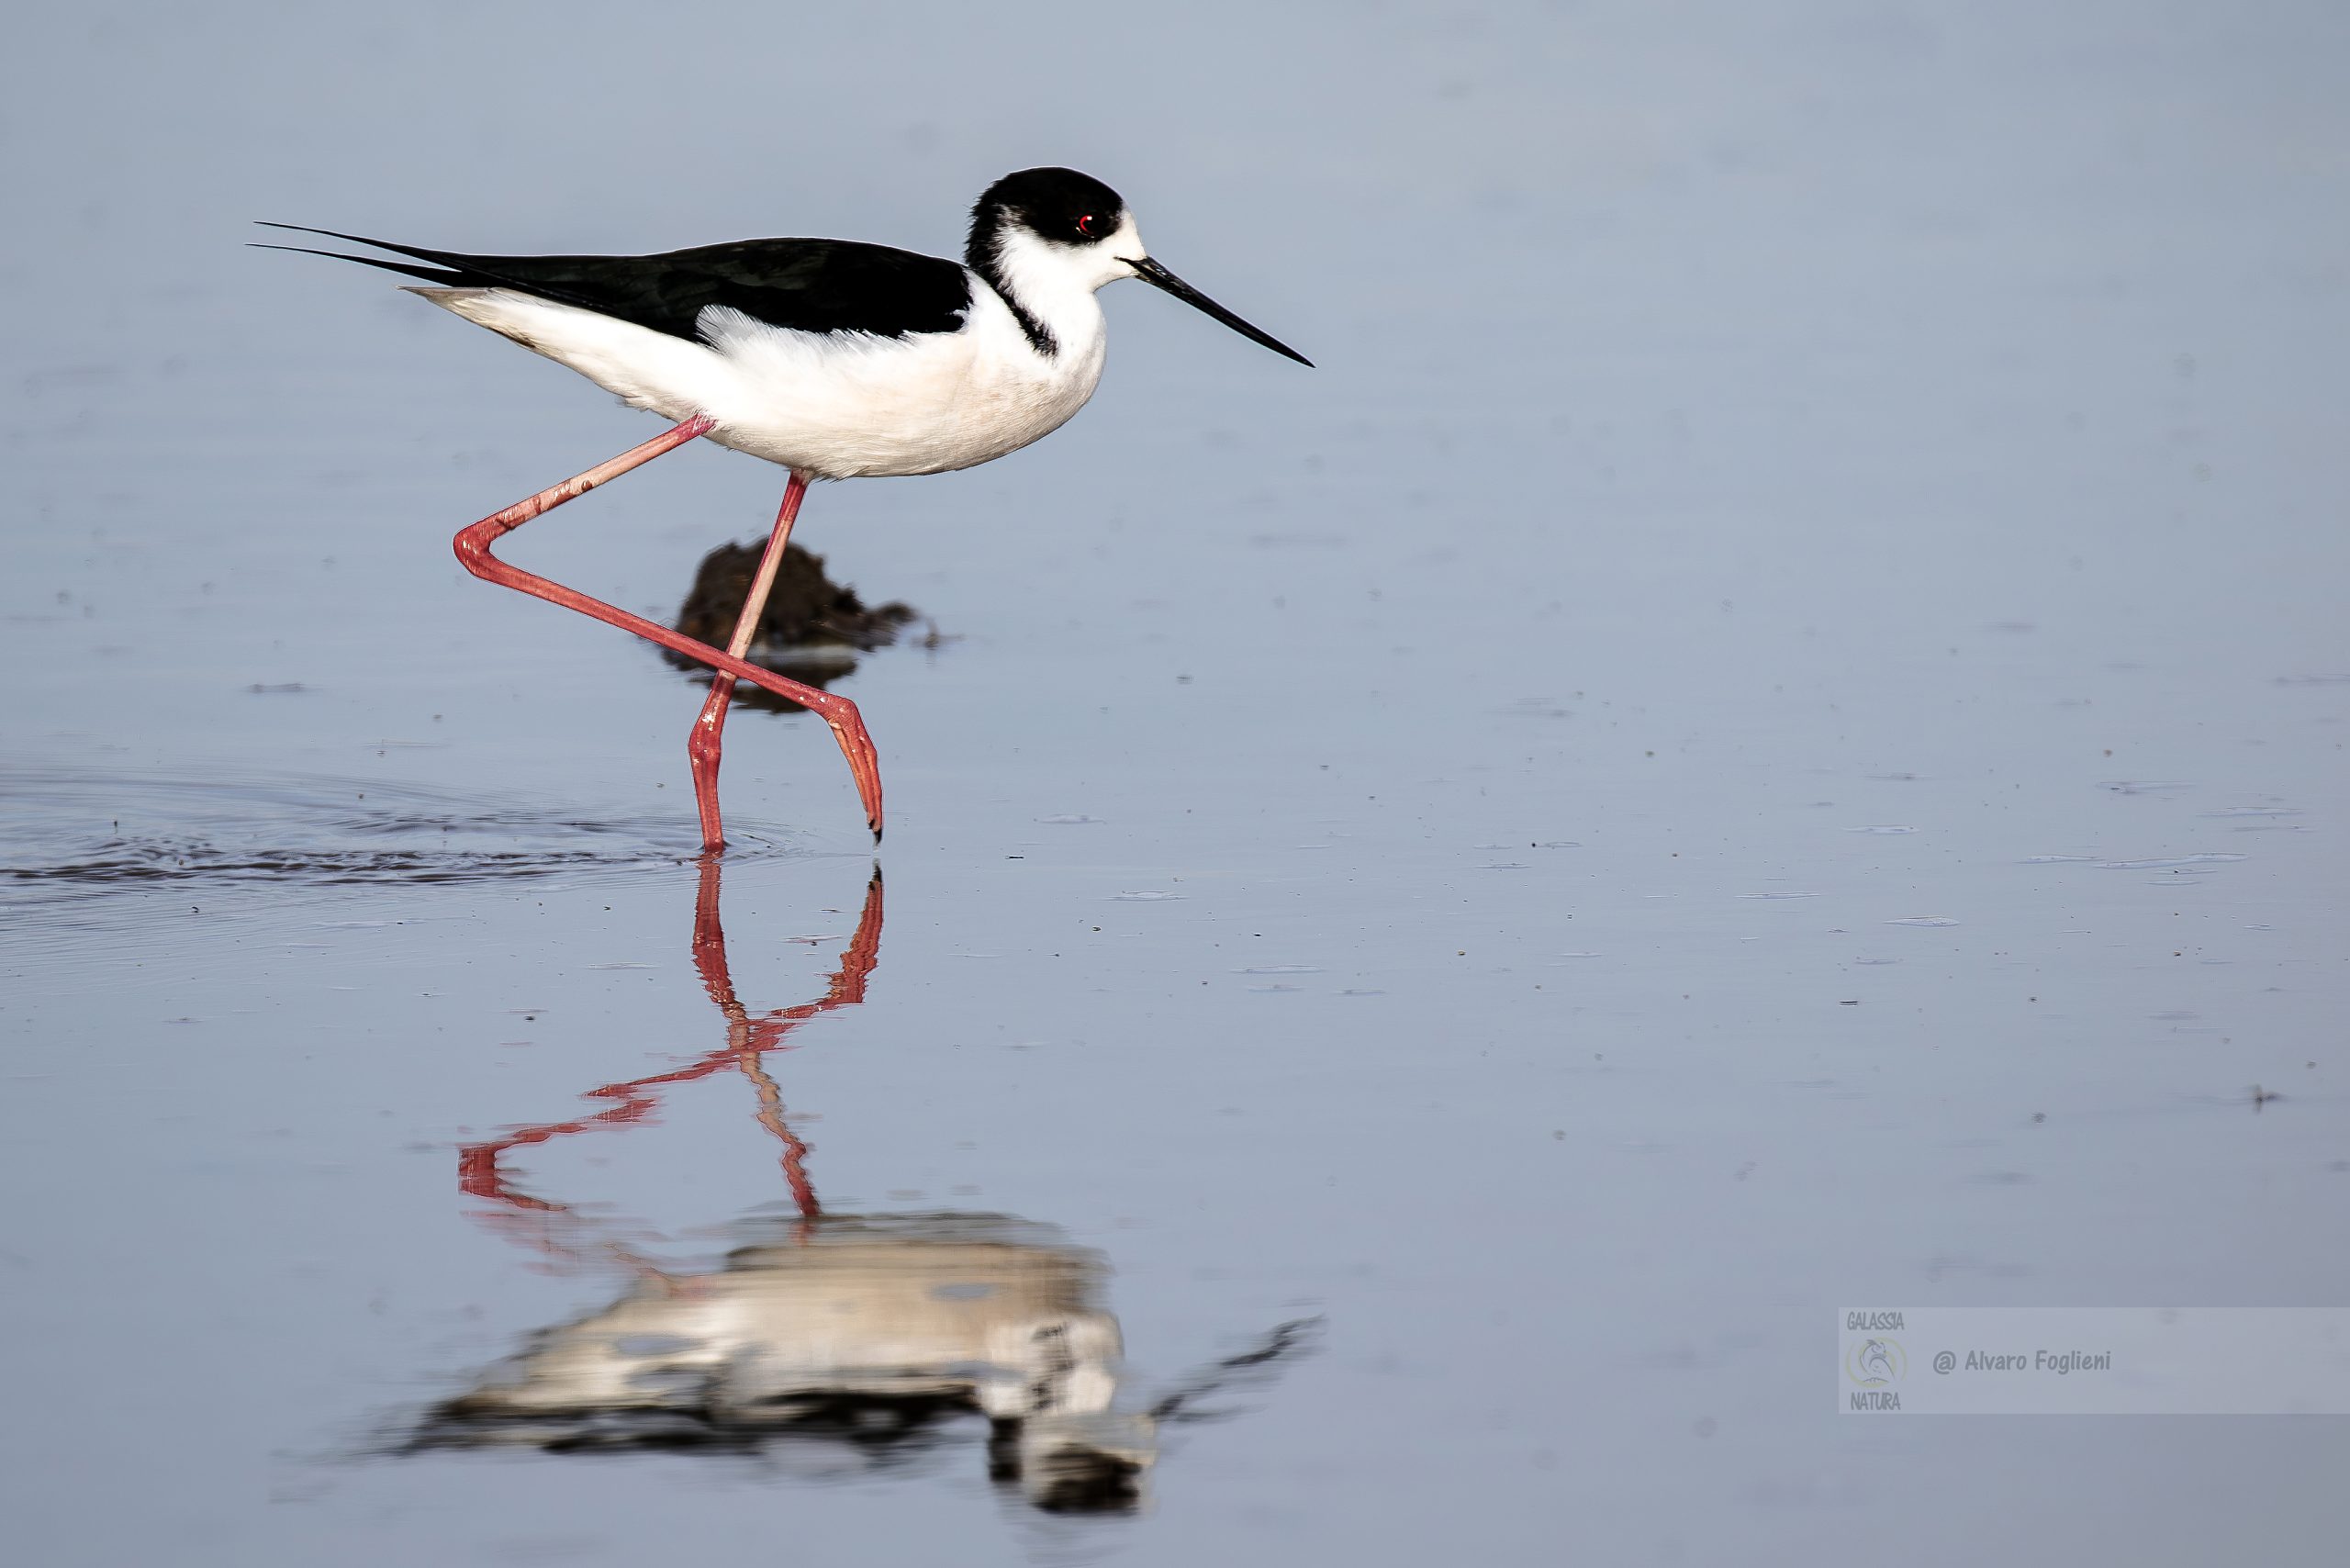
1877 1362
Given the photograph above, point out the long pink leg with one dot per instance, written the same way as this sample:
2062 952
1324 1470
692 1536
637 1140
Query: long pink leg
709 733
473 550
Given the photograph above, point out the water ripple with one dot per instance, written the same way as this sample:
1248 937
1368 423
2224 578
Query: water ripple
70 835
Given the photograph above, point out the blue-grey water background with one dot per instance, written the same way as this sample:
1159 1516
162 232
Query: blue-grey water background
1766 733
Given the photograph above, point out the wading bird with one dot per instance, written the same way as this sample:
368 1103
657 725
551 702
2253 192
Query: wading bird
837 358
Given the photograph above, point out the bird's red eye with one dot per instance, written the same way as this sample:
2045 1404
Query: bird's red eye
1085 225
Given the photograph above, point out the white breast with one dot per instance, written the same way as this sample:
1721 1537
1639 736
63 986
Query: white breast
831 404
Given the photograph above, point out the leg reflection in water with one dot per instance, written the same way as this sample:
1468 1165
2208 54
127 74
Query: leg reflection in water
479 1171
867 1335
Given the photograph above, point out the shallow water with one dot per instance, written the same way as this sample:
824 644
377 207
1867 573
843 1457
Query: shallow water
1766 733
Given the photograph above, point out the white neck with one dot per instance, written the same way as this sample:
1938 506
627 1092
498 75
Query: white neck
1053 284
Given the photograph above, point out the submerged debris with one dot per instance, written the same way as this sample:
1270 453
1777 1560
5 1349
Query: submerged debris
811 630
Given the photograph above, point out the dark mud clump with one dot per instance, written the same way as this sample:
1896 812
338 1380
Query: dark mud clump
812 629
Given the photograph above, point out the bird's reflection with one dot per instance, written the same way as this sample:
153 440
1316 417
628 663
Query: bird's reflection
748 1040
870 1334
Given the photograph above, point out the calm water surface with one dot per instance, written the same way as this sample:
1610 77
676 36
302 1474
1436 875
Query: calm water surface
1767 732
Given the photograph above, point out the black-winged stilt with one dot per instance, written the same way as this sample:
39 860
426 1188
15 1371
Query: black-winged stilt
836 359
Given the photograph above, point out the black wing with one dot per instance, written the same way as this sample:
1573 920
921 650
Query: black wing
813 285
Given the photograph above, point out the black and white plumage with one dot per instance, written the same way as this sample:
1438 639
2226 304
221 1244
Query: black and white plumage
833 358
836 358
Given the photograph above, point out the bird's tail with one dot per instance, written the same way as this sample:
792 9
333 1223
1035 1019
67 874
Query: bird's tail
448 267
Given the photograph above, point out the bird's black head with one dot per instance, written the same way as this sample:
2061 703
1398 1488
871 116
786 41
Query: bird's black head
1060 206
1042 233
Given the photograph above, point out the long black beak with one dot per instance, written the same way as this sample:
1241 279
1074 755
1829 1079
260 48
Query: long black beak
1151 272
